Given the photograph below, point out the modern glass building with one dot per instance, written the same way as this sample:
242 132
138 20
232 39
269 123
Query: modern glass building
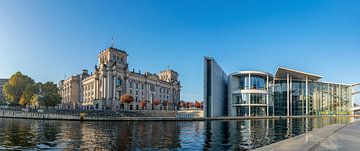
250 94
288 93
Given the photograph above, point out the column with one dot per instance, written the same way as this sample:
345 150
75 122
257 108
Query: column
307 95
114 87
267 95
109 86
249 95
273 91
95 89
287 95
291 98
102 87
353 93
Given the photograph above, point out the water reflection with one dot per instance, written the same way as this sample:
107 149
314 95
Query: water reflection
210 135
250 134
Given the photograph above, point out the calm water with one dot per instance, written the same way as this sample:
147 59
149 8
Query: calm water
216 135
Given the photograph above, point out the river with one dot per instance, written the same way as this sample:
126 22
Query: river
27 134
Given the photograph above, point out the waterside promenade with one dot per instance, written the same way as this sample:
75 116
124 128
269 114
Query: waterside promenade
333 137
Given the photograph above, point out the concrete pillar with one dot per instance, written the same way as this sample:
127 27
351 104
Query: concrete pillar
287 95
267 95
249 95
273 90
291 98
307 95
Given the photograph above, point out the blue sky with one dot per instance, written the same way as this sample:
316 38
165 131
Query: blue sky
50 39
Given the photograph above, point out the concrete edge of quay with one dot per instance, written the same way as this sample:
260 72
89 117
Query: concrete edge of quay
309 141
47 116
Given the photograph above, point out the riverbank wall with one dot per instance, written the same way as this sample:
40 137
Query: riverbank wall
84 117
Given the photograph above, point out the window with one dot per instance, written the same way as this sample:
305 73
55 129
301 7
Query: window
152 87
244 82
258 98
241 98
118 82
136 85
257 82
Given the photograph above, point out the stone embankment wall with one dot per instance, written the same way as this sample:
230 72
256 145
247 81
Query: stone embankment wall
91 115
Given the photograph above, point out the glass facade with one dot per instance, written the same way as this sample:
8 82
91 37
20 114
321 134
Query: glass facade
242 111
242 98
290 93
255 82
252 96
332 99
258 98
280 97
258 82
323 98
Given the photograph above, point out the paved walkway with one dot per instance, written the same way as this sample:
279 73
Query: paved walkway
346 139
334 137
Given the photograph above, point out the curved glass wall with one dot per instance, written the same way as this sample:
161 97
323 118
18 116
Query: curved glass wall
242 98
242 111
244 82
254 98
258 110
255 82
255 111
258 83
258 98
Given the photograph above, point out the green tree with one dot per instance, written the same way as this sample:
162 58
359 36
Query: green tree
49 95
30 92
16 86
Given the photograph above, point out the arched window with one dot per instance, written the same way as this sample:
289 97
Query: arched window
118 82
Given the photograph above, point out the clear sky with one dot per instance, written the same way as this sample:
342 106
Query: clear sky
50 39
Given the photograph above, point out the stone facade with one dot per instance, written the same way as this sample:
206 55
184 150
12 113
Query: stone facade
2 82
111 79
70 90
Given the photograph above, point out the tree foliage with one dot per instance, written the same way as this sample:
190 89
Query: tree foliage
197 104
181 104
142 104
15 87
28 95
49 95
127 98
165 102
156 102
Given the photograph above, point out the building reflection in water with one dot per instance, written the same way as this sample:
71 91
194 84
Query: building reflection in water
250 134
19 134
129 135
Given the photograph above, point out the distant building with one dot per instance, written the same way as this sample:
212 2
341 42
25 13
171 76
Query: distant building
2 82
112 79
288 93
